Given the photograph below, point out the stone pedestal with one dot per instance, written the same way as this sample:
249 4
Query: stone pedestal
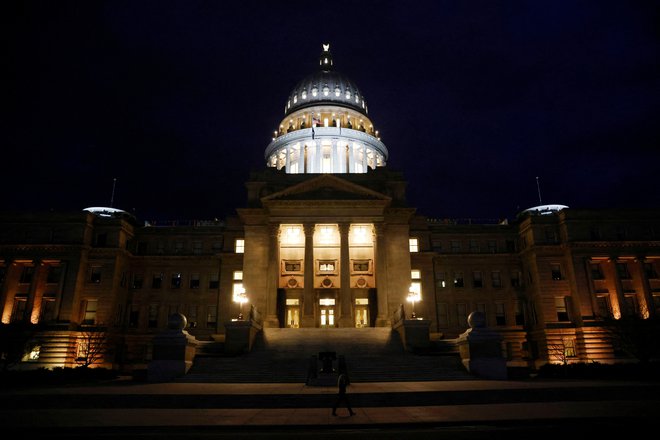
481 349
414 333
240 335
173 351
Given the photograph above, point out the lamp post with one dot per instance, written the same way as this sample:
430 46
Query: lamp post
241 299
412 297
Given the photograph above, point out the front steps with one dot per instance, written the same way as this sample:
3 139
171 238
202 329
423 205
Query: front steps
282 355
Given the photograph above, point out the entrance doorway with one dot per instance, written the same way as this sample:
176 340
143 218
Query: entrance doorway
361 312
292 313
327 312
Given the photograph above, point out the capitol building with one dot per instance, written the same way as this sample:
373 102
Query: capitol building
327 242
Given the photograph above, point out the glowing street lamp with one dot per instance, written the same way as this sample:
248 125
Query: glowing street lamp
241 299
412 297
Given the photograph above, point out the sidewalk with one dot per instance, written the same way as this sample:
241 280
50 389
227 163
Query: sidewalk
123 404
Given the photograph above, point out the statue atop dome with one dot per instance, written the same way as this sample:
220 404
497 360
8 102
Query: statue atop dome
325 60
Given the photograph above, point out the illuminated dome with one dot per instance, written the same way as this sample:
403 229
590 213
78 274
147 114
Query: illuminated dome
326 128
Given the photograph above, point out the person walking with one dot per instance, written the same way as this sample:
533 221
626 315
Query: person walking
342 396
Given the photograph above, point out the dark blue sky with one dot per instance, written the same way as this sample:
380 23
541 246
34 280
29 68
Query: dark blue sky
474 100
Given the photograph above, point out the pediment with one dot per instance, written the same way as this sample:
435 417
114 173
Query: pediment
326 187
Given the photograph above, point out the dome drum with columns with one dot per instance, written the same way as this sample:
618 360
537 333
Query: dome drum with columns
326 128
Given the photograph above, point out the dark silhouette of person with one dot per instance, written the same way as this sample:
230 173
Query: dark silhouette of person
342 396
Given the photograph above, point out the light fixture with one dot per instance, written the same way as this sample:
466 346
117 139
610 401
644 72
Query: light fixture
412 298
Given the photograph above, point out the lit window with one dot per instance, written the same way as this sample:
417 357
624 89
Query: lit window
337 91
458 279
89 311
315 91
413 244
176 280
560 307
237 290
326 91
348 94
238 275
239 246
303 95
295 99
415 274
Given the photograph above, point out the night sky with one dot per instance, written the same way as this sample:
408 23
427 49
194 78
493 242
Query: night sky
473 99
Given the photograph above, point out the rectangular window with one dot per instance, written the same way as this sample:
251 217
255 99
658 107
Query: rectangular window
26 275
596 271
197 248
458 279
555 269
496 278
239 246
194 281
95 275
481 307
47 309
153 316
89 308
19 308
415 274
492 246
461 314
176 280
214 280
413 244
290 267
500 314
520 314
622 270
515 278
138 280
192 315
54 274
211 316
603 306
561 309
455 245
650 272
443 315
440 280
569 348
134 316
361 267
157 281
178 247
326 267
477 280
630 306
656 304
160 248
474 246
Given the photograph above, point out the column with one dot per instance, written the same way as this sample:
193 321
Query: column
9 290
646 297
619 301
381 280
345 303
272 284
309 301
36 291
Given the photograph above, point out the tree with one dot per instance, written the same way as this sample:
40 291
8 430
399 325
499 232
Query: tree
94 346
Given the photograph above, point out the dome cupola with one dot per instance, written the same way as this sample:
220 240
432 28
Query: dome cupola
326 127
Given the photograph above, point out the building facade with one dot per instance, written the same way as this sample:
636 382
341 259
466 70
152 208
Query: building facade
326 239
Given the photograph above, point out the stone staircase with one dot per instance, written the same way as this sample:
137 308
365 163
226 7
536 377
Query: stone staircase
282 355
